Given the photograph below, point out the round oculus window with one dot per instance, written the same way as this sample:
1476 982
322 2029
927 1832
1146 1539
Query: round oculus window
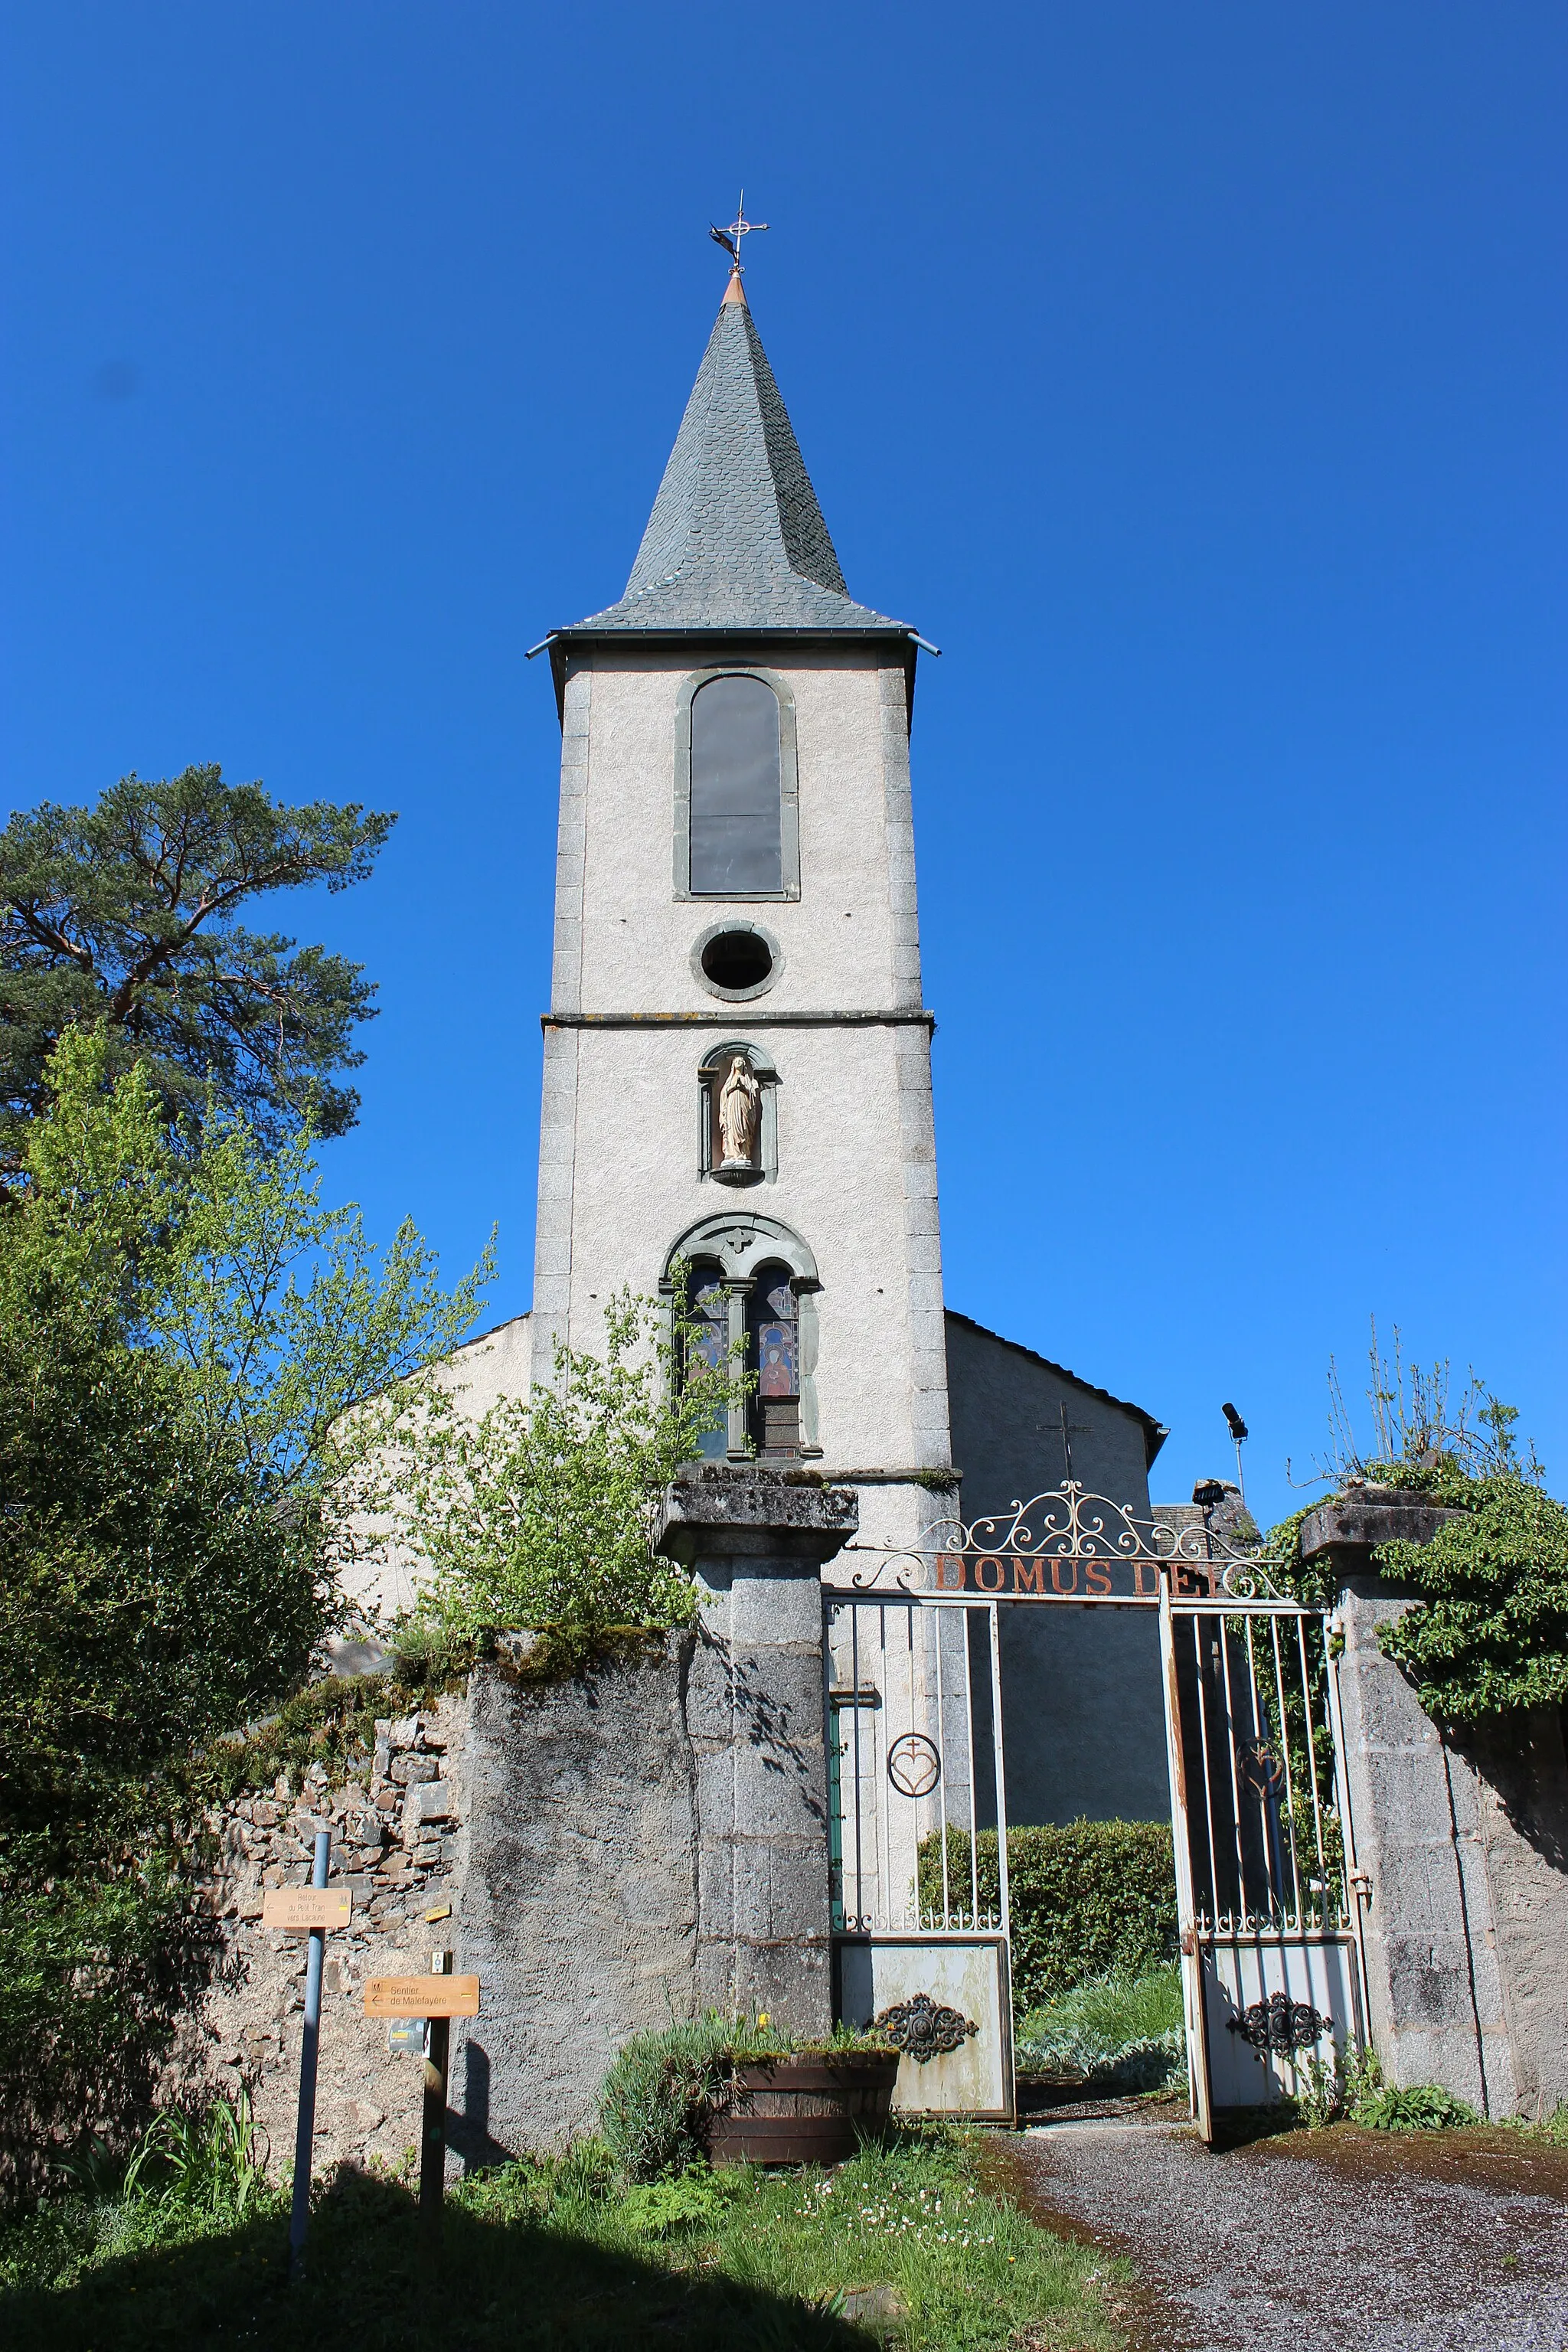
734 961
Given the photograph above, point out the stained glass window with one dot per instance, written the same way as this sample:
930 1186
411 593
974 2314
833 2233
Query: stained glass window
708 1340
774 1317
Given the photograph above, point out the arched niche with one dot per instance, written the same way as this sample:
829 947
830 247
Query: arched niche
731 1253
711 1073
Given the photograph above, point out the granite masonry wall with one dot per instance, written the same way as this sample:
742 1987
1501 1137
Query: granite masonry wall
1464 1842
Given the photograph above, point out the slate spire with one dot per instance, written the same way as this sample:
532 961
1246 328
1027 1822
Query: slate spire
736 540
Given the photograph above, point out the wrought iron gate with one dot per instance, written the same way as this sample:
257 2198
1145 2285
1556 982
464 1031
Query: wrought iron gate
920 1903
1272 1975
1268 1892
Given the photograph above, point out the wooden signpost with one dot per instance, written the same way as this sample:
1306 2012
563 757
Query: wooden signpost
437 1995
437 1998
292 1908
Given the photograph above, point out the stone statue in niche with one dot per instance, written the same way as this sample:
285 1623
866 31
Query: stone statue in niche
740 1120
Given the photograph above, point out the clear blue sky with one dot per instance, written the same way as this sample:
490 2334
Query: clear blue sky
1193 377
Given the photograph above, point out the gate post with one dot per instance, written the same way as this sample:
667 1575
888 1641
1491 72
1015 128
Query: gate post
755 1536
1465 1895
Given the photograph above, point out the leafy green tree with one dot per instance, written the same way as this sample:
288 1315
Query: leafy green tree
541 1511
129 915
194 1356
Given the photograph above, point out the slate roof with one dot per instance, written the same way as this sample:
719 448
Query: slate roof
736 541
1154 1432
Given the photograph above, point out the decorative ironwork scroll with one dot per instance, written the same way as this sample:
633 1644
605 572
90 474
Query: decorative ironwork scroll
1066 1544
1281 2025
924 2029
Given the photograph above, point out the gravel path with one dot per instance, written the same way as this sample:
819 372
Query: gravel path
1326 2242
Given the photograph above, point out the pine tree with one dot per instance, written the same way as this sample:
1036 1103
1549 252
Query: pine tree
128 915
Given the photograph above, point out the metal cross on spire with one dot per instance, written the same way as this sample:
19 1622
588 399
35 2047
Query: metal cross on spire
739 227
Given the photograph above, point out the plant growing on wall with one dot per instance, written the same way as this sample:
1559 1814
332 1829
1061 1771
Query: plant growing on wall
541 1511
1488 1632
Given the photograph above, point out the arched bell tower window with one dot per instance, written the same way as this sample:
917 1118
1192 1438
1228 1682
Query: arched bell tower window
753 1281
737 811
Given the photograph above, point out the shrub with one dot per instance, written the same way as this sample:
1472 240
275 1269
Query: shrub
1088 1898
660 2097
662 2093
542 1510
660 2209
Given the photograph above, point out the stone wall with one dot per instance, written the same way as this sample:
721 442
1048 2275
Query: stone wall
580 1889
396 1843
607 1851
1520 1771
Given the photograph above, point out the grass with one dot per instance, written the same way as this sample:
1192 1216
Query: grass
1552 2129
1119 2032
903 2245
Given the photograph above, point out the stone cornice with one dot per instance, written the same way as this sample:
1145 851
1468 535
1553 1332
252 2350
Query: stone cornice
728 1015
753 1508
1361 1519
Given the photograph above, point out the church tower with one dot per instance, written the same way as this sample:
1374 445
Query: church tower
737 1065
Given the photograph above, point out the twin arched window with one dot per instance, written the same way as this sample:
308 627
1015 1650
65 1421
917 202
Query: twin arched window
737 828
772 1355
752 1283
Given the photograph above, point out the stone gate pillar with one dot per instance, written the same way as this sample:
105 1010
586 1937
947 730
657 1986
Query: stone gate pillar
755 1537
1462 1837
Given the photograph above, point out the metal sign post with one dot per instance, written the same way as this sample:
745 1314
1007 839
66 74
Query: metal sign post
433 2135
305 2133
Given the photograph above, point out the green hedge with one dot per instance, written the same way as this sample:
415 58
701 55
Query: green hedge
1088 1898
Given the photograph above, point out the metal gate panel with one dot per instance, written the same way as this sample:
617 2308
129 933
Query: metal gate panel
1270 1933
914 1743
1268 1890
967 1974
1242 1976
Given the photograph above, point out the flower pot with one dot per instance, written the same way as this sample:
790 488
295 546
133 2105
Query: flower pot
811 2107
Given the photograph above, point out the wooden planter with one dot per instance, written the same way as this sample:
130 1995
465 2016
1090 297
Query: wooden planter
812 2107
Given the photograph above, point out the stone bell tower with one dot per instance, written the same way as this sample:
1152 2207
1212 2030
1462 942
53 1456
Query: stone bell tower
737 1063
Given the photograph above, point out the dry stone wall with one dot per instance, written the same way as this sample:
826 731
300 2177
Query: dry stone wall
396 1843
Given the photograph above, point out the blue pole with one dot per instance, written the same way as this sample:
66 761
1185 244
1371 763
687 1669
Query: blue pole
305 2135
